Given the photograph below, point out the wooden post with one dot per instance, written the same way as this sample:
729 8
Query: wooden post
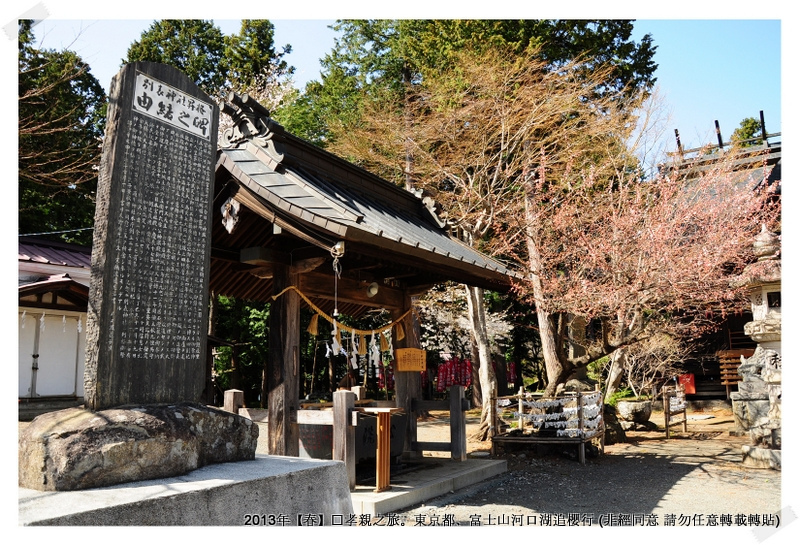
360 391
283 389
458 424
344 433
492 416
234 399
407 383
683 402
521 410
582 448
383 446
382 454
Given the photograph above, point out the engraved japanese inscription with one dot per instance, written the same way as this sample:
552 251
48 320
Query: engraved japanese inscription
149 295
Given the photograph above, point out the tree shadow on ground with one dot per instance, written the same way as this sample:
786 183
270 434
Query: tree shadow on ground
686 474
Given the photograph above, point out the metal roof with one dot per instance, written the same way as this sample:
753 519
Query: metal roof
331 199
54 253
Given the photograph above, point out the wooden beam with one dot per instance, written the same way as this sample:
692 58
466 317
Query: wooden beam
320 285
259 255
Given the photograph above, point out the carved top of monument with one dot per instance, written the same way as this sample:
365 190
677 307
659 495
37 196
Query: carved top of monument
767 270
767 245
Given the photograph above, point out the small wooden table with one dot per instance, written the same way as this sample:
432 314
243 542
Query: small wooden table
383 445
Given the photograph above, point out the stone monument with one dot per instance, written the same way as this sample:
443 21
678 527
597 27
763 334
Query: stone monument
148 302
757 403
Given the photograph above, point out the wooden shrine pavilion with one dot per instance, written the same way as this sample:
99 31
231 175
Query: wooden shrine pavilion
293 222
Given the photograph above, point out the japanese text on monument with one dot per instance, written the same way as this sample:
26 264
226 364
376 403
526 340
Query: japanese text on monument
161 267
165 103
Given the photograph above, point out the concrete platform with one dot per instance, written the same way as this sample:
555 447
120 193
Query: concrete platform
270 490
428 478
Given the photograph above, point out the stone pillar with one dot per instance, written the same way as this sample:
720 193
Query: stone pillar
757 403
148 300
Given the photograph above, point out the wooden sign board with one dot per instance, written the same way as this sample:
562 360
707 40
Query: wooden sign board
410 359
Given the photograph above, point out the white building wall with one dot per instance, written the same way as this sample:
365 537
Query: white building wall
59 339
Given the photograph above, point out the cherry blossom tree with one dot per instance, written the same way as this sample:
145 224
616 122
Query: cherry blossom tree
541 167
640 256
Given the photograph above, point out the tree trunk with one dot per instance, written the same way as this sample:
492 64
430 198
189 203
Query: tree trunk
614 373
477 315
554 360
477 399
557 372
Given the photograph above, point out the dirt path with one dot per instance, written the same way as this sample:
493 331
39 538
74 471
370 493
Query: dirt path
692 479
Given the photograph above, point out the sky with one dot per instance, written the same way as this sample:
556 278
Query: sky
708 69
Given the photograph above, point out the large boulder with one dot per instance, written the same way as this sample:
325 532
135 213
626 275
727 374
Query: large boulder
614 433
76 448
635 410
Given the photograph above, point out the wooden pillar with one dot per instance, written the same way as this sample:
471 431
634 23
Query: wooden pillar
344 433
283 388
458 424
360 391
407 383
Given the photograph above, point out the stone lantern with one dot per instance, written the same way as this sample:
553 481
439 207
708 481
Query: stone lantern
757 403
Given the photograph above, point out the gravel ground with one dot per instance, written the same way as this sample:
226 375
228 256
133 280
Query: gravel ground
693 479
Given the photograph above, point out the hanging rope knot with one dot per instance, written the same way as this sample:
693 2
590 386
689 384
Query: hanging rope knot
337 251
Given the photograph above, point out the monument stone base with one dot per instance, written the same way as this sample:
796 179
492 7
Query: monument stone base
267 491
749 410
764 458
76 448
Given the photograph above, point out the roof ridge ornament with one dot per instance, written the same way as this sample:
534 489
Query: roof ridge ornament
251 122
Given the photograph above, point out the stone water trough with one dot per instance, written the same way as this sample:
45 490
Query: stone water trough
316 433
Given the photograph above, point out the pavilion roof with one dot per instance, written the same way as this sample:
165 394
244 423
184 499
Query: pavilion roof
389 234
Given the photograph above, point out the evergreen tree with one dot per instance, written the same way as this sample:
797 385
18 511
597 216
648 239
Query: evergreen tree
251 55
193 46
214 61
747 133
376 58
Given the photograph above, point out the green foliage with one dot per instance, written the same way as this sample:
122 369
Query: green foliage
214 61
251 54
747 133
596 368
618 395
245 325
193 46
376 59
61 117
